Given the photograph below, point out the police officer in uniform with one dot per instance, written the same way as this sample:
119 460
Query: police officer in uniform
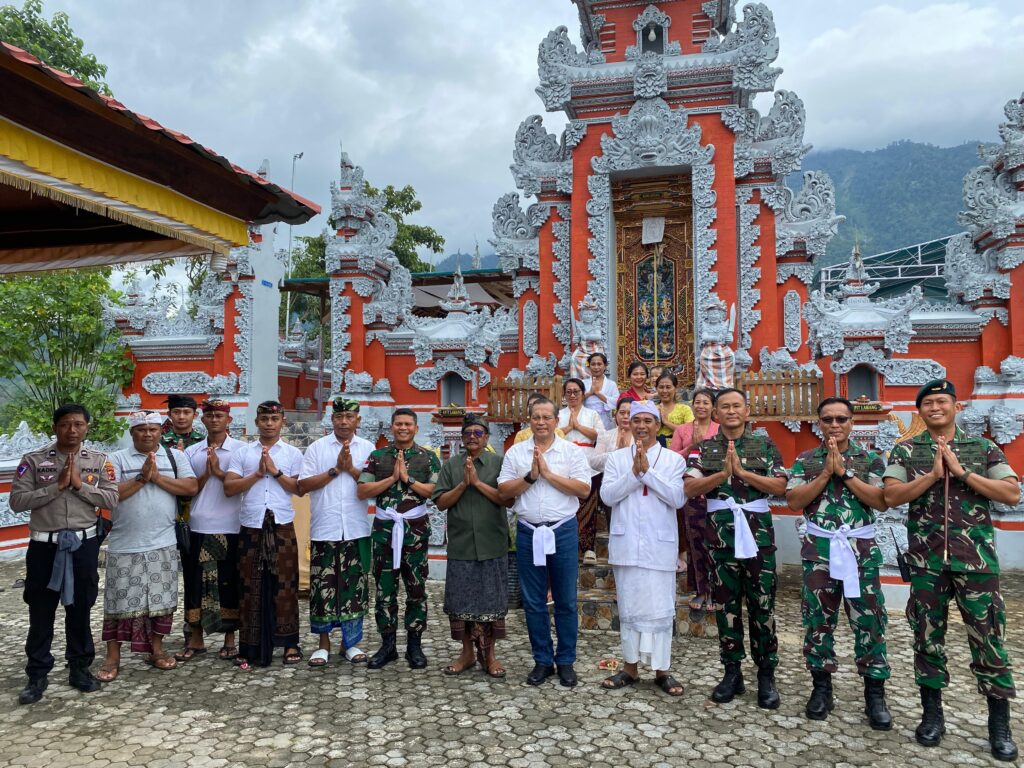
950 481
61 487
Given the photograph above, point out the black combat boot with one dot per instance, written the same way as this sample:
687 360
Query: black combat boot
731 685
81 677
385 654
933 724
820 703
999 735
33 692
874 705
767 695
414 653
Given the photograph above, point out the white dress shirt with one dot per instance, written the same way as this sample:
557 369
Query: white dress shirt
542 502
267 492
586 418
603 409
335 512
145 520
643 527
211 510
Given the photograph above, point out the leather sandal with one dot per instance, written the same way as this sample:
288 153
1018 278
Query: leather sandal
619 680
669 685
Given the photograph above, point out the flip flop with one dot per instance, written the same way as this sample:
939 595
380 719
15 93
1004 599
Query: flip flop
619 680
451 671
163 662
319 658
292 657
667 683
189 653
107 675
355 655
590 557
228 652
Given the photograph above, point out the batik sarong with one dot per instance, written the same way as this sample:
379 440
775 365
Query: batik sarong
695 515
268 565
140 596
587 516
339 587
476 598
211 591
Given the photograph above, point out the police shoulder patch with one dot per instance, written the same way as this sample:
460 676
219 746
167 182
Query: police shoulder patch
108 470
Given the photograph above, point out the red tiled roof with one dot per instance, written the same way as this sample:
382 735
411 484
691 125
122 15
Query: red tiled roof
311 208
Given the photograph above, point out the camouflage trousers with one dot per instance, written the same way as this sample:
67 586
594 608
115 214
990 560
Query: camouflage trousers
981 606
819 607
752 579
413 573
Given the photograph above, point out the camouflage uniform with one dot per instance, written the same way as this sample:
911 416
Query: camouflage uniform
423 466
753 578
972 576
822 595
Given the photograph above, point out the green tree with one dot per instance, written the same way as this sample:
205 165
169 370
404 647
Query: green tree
58 349
400 203
53 42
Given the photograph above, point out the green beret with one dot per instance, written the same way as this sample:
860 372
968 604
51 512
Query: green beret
936 387
344 405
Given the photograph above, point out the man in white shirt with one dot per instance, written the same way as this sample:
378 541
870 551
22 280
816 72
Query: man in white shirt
142 555
339 561
211 563
547 476
266 473
643 485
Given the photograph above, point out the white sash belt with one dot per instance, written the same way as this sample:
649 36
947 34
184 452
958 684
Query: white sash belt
544 540
398 529
744 545
842 560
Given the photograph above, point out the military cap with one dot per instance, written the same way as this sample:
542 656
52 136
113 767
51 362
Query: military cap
935 387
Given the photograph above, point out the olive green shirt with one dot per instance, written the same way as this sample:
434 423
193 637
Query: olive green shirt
477 527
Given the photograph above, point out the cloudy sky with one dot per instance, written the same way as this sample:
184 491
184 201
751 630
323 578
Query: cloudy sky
430 92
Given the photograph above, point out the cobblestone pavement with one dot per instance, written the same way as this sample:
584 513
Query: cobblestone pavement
207 713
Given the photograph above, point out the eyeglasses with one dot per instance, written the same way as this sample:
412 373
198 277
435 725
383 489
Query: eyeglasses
834 419
573 393
474 433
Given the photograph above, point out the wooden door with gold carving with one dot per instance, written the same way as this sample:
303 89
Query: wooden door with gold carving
654 282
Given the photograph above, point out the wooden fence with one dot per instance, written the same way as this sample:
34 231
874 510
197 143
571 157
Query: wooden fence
782 395
508 396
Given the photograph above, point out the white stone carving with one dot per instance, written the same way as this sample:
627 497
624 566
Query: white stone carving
243 335
802 272
8 517
542 163
809 218
791 321
515 238
651 78
970 275
1003 424
749 272
754 39
23 440
426 379
531 325
898 371
195 382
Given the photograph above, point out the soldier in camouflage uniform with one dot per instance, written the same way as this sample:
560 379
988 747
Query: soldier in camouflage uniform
738 470
836 485
401 477
951 553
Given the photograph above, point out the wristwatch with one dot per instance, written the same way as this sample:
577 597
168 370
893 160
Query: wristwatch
279 473
332 472
140 479
530 480
849 474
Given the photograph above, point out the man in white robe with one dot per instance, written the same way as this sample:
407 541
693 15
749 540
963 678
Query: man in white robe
643 484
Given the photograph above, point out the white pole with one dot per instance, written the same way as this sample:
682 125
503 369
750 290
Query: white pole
288 264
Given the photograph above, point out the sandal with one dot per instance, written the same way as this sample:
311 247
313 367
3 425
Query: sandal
107 674
355 655
497 672
292 657
590 557
189 653
669 685
163 662
619 680
452 670
242 664
697 603
318 658
228 652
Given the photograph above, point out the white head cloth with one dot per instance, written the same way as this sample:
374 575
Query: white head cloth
139 418
643 406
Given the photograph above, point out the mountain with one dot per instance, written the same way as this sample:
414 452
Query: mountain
447 264
904 194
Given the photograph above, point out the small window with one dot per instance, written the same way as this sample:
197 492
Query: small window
652 39
862 381
453 390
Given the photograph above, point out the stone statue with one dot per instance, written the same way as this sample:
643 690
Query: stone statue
587 337
856 272
717 360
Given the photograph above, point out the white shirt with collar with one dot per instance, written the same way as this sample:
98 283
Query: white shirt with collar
643 530
542 502
604 408
145 520
586 418
336 514
267 492
211 510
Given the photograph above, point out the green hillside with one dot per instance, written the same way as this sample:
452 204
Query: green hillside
903 194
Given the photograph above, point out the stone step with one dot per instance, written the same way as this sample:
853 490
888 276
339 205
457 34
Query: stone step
598 611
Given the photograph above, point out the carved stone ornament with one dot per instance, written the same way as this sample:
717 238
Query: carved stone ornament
341 320
776 140
652 135
756 44
750 273
132 401
651 79
162 383
782 360
971 276
358 383
7 516
973 421
897 371
561 267
23 440
530 328
539 161
887 436
426 379
243 335
802 272
791 322
556 54
515 238
1003 424
809 218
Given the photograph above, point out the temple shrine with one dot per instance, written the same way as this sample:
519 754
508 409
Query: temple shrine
651 218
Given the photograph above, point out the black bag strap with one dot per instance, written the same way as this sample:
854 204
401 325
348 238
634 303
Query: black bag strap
170 458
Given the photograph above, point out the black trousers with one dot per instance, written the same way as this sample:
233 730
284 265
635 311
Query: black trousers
42 606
